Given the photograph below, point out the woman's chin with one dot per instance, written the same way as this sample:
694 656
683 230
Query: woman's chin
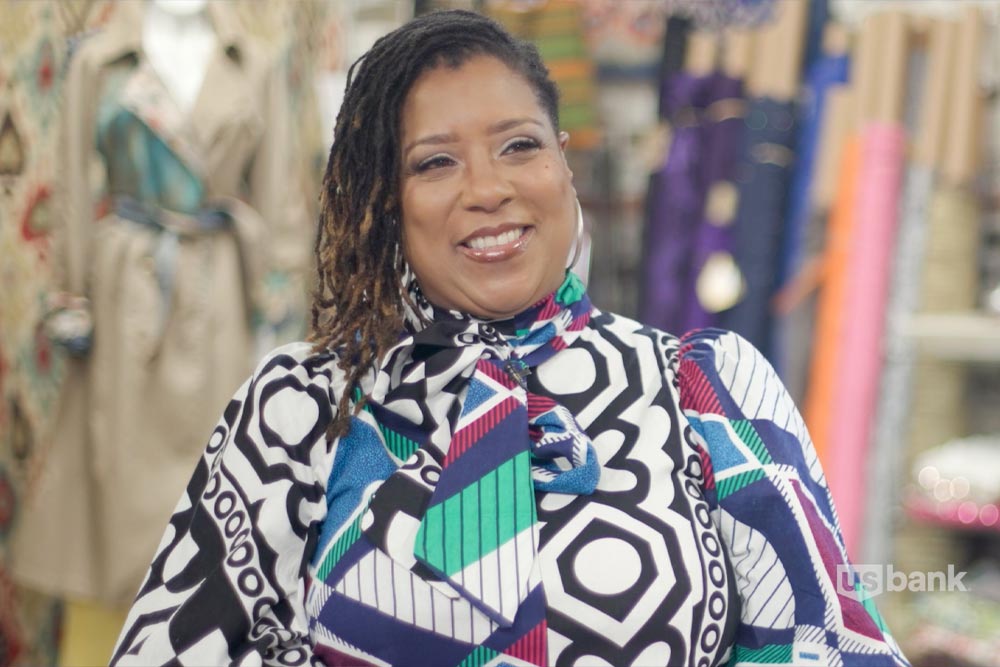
493 297
506 303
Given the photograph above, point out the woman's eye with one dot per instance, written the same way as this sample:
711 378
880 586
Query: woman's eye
434 162
521 145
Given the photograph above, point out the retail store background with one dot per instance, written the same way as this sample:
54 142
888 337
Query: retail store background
917 483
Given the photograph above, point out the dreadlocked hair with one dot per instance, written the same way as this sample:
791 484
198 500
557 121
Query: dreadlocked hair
359 300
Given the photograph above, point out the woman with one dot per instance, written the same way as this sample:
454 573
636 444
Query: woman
472 465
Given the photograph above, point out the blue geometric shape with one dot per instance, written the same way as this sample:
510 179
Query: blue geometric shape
720 448
360 460
478 394
539 336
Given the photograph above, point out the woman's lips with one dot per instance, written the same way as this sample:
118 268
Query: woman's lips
500 251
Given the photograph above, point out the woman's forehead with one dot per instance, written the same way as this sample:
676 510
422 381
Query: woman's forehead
482 91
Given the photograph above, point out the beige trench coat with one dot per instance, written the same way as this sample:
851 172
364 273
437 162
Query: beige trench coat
137 411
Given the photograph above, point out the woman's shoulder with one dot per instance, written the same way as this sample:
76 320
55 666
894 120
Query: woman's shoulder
719 359
299 366
629 330
711 348
721 372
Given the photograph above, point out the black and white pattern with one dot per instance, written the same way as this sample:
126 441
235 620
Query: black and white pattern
633 574
227 584
628 573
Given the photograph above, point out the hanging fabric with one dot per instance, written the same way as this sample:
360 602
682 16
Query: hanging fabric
714 283
768 156
870 254
826 72
675 204
796 303
828 350
918 213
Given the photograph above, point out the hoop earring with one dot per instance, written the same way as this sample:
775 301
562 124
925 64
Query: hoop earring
578 247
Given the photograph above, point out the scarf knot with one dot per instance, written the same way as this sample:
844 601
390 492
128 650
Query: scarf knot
462 508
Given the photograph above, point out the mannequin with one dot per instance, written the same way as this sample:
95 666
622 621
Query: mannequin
176 208
178 38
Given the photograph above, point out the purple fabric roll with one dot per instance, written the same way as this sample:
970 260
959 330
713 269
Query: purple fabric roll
676 197
721 145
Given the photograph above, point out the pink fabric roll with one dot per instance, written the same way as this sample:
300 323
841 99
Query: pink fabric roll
857 378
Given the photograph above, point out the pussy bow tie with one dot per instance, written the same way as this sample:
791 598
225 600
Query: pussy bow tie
462 508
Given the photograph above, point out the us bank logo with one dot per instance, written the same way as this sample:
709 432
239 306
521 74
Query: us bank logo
870 579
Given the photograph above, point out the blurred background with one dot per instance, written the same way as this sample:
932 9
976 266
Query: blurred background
822 176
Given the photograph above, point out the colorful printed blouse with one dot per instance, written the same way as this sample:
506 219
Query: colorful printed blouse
567 487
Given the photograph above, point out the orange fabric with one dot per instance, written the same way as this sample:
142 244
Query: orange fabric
827 343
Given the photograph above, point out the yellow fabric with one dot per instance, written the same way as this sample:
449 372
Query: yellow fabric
89 633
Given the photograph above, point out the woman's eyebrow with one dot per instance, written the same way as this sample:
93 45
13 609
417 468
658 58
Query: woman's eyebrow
511 123
433 139
495 128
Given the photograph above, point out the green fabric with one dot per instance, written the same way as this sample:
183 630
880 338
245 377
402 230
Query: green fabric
441 539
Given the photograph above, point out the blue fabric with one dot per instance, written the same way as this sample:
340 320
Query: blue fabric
758 227
825 72
361 459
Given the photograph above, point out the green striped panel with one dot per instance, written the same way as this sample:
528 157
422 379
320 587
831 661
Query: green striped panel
339 548
733 484
771 654
443 542
429 543
399 445
748 434
479 657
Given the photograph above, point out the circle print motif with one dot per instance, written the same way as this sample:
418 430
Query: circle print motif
576 363
250 582
292 656
716 605
591 566
597 538
289 416
215 442
293 414
224 504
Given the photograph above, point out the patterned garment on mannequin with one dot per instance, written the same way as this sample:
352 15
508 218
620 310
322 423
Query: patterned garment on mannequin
172 223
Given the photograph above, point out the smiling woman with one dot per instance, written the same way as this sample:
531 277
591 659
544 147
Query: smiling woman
470 464
486 193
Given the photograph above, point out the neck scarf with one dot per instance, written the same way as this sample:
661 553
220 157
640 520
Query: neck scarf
452 393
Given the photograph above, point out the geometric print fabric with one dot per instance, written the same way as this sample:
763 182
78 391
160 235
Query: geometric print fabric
775 513
589 617
678 509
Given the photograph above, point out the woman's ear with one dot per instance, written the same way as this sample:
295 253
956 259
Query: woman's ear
563 142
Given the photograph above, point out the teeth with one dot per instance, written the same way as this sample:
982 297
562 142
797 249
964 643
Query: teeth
483 242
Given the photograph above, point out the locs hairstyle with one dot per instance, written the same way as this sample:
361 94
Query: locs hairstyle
357 309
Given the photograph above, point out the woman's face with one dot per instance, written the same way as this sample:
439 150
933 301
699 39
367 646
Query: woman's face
487 197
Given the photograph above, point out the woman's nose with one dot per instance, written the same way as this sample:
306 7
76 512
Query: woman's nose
485 187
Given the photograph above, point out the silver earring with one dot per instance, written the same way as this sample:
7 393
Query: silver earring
579 237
